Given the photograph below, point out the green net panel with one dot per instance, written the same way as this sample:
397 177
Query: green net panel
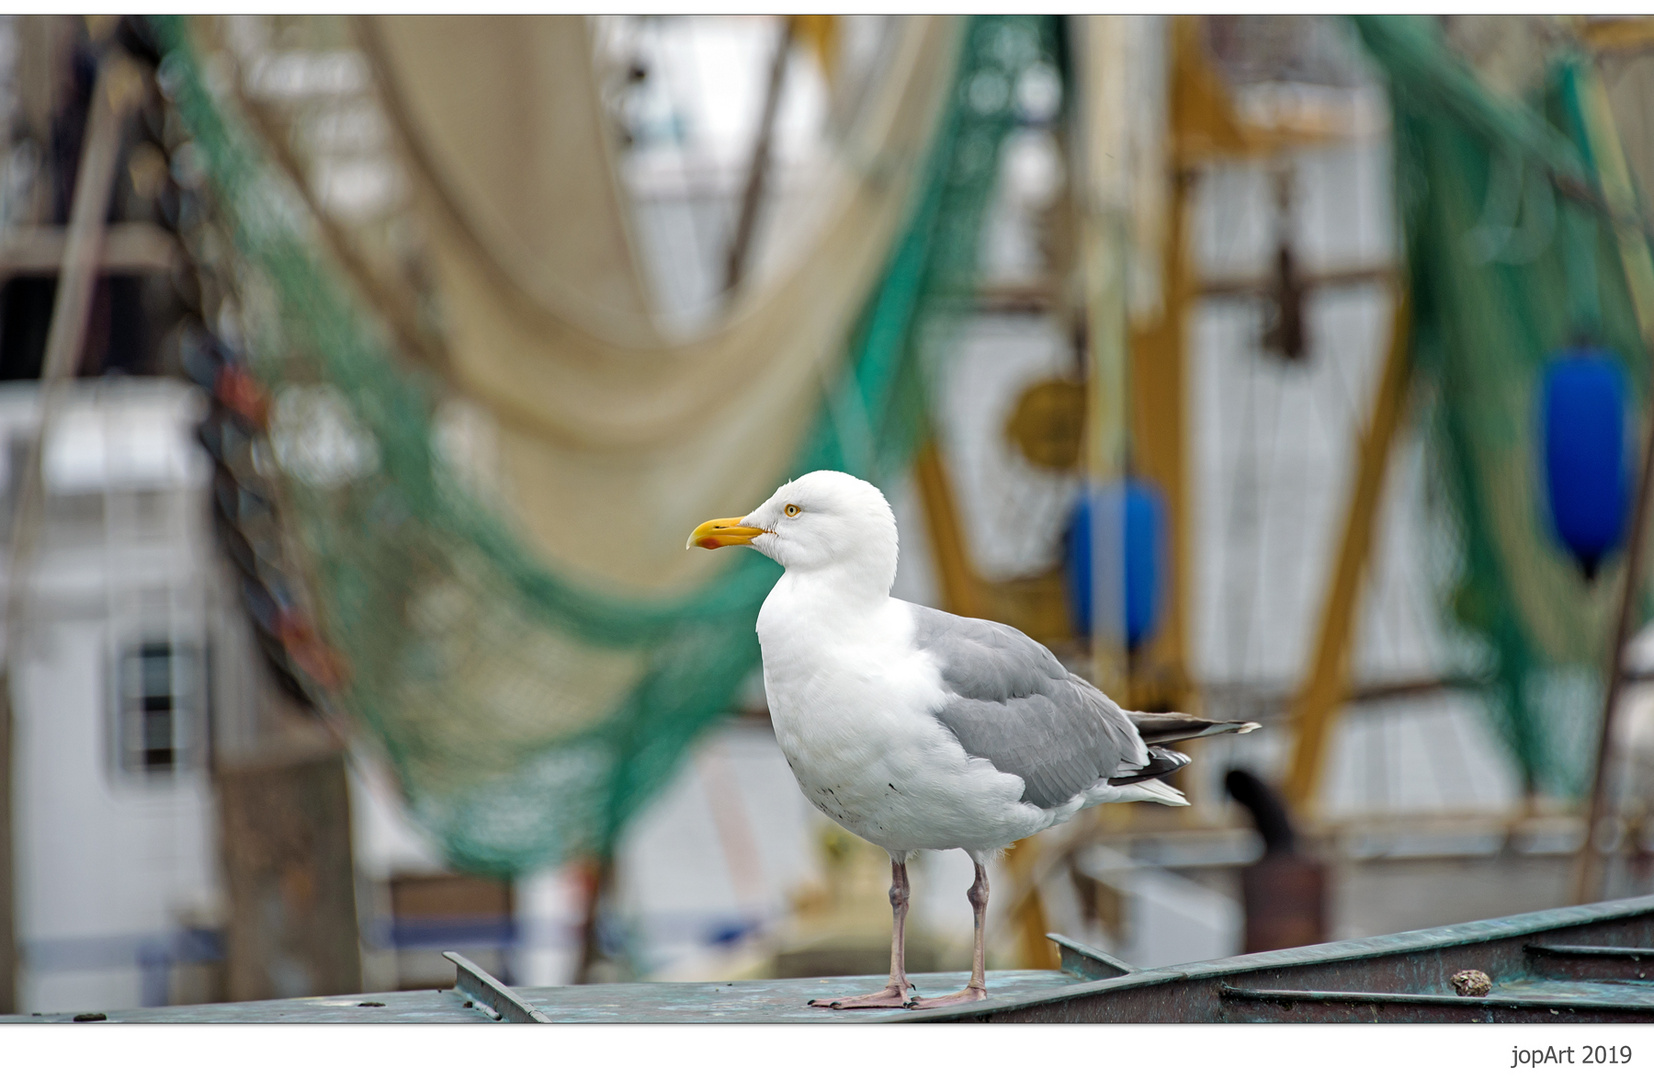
458 642
1504 270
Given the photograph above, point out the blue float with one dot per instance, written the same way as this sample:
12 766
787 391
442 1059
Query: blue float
1587 467
1144 510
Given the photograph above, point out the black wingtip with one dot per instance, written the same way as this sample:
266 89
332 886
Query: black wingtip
1162 728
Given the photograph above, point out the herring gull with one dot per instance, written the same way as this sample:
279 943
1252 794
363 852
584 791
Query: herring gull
920 730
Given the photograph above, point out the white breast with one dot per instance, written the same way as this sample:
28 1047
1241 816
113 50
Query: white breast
852 705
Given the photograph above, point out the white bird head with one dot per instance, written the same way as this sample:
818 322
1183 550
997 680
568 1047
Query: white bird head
822 520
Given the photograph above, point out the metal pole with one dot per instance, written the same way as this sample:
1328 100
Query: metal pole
735 263
112 94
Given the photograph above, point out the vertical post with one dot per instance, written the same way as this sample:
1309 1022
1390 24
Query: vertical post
289 875
1604 146
1103 249
1326 682
1159 439
735 263
1101 191
1158 376
113 92
599 874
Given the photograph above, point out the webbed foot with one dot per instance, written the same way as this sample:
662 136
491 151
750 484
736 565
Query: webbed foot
958 997
891 997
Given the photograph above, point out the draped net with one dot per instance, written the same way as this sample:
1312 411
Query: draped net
520 630
1504 270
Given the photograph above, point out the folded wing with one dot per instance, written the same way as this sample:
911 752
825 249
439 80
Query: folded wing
1010 701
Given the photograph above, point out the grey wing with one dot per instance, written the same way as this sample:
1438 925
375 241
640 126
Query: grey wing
1010 701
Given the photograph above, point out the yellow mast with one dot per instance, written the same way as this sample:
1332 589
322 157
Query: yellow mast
1326 679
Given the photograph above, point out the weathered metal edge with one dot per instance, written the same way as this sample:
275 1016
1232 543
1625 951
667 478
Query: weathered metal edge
1375 997
1078 958
1591 952
488 993
1308 956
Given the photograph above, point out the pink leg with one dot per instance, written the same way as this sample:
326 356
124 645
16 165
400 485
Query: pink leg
897 993
977 988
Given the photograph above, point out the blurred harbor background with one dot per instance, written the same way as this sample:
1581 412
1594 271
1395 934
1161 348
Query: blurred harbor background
362 377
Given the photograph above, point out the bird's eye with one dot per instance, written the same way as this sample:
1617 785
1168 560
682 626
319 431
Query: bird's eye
792 510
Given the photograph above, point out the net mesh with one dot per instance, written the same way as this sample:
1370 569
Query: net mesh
1504 269
526 714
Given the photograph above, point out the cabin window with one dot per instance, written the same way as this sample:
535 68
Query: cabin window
158 707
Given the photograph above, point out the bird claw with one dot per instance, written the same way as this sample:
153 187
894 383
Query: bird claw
891 997
958 997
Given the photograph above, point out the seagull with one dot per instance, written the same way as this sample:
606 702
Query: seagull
920 730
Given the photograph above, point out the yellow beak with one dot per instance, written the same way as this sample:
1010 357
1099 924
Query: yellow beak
721 532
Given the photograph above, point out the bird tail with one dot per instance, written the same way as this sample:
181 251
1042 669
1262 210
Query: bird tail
1157 729
1161 762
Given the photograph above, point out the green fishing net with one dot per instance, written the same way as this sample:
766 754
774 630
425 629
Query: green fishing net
455 639
1504 270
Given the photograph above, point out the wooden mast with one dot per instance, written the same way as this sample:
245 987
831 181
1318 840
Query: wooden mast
1327 676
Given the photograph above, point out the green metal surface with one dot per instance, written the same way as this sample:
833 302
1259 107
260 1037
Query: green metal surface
1516 997
1400 978
408 1007
1404 977
782 1001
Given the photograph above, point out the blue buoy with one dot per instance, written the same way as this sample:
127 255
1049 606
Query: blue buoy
1587 468
1144 511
